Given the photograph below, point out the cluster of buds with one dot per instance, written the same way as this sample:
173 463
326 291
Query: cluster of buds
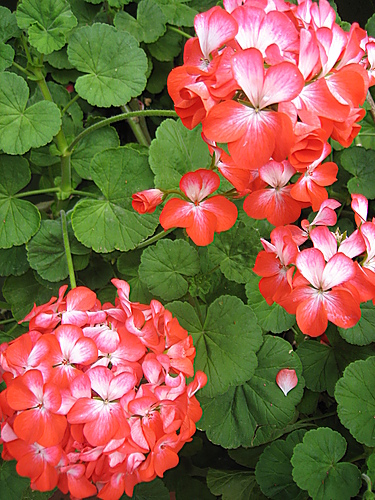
326 282
97 399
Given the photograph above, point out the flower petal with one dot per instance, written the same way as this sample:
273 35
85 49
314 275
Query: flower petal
286 380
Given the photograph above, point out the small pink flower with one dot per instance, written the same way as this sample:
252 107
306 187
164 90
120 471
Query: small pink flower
147 201
286 380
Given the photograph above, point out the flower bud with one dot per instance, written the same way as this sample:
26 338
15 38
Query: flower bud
147 201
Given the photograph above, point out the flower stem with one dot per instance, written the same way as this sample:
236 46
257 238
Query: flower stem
367 480
72 101
21 68
7 321
137 129
123 116
68 254
85 193
157 237
180 32
36 191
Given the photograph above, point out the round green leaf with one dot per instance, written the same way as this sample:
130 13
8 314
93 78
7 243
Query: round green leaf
246 415
274 470
176 151
164 266
13 261
22 128
8 25
235 251
358 161
48 22
177 12
271 318
6 56
21 292
229 328
363 333
155 490
167 47
90 145
240 485
356 400
111 223
46 252
316 466
150 23
114 64
19 219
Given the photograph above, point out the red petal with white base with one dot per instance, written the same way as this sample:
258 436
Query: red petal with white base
338 270
342 308
286 380
214 28
199 184
177 213
225 212
310 263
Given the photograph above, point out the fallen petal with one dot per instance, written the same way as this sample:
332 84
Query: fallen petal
286 380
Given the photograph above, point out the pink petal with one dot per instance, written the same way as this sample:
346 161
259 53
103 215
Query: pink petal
324 241
338 270
199 184
310 263
177 213
80 299
286 380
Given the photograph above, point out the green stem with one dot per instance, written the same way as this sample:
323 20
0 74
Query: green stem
320 417
26 48
7 321
136 128
180 32
157 237
123 116
9 332
62 144
68 254
368 482
85 193
22 69
36 191
4 305
72 101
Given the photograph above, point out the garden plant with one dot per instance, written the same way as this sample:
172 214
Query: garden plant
187 250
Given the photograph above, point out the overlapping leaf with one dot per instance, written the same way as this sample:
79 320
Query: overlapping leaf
363 333
226 341
149 25
358 161
47 22
115 66
355 396
317 469
177 12
20 219
240 485
6 56
247 415
22 127
164 268
13 261
110 223
176 151
274 470
8 25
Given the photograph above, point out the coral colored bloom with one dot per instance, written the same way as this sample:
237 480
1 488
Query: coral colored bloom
145 202
201 216
286 380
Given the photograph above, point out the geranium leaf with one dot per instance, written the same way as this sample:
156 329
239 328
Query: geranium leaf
271 318
20 219
229 328
248 414
240 485
154 490
177 12
6 56
323 364
8 24
128 264
46 252
13 486
164 267
363 333
47 22
90 145
274 470
111 223
115 66
13 261
316 466
84 12
21 292
167 47
149 25
176 151
358 162
235 251
21 127
356 400
98 273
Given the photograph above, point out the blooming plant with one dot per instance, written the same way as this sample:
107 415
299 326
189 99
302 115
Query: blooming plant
218 160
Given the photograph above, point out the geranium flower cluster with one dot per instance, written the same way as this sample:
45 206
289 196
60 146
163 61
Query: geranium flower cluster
96 398
327 281
274 81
